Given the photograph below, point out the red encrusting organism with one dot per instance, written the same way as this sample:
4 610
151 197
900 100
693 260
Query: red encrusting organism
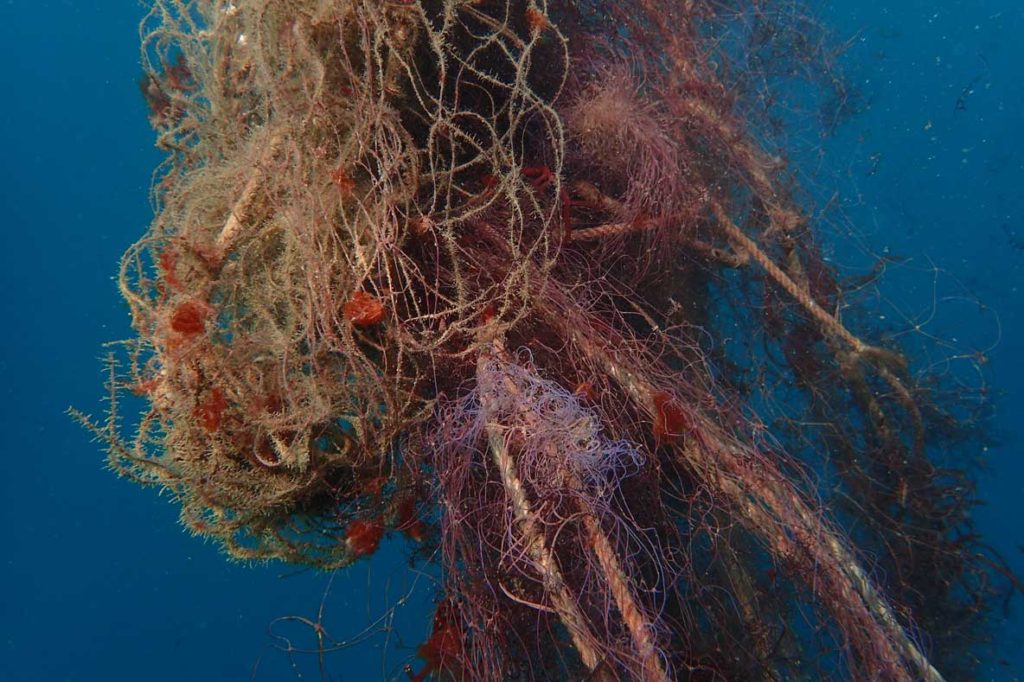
670 421
444 648
408 522
343 181
179 76
489 181
363 309
363 536
168 262
536 20
146 386
373 486
586 391
189 319
211 410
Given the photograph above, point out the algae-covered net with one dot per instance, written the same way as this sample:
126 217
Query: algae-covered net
468 270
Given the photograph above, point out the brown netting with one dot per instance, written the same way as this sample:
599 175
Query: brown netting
453 268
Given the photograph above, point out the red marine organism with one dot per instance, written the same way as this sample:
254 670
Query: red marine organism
343 181
670 421
444 648
363 536
211 410
408 522
189 319
363 309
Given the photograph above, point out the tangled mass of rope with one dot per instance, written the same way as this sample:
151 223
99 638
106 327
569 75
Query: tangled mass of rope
523 281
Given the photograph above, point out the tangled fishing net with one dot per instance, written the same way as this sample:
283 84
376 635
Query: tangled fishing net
473 271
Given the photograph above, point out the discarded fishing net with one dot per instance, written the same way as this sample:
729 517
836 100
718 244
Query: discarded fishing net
524 281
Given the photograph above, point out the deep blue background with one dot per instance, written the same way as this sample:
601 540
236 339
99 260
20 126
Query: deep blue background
97 582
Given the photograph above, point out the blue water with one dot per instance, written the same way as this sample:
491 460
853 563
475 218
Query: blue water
97 582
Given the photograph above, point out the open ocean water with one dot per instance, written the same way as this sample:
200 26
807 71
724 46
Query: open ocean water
97 581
